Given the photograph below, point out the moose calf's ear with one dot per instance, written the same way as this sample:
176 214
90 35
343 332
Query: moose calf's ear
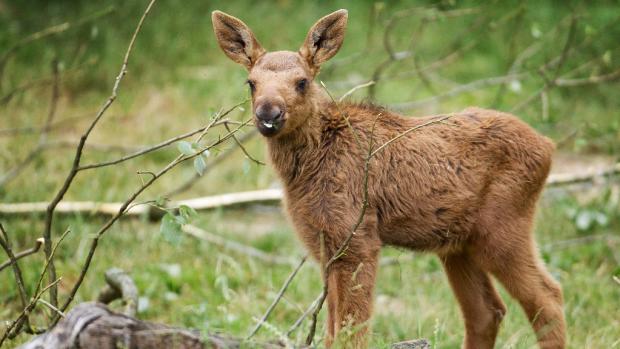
236 39
325 38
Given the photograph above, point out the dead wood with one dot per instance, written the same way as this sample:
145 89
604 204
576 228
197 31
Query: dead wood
266 196
92 325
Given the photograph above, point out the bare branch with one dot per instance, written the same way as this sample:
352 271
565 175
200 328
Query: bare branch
47 233
121 211
278 297
440 118
157 146
355 88
15 326
597 79
305 314
24 253
19 280
210 165
51 307
240 145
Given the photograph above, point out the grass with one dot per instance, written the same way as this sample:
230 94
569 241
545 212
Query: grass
178 78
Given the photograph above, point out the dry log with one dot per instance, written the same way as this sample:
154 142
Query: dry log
120 285
111 208
414 344
92 325
556 179
266 196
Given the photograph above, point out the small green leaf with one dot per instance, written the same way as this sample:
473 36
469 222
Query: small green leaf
185 148
206 153
170 228
200 165
187 212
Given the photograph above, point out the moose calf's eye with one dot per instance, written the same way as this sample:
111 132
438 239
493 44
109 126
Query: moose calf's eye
301 85
252 85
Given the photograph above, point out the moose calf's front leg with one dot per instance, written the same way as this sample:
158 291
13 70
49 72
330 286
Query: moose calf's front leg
350 286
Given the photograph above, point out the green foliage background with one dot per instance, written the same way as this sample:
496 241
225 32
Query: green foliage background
178 79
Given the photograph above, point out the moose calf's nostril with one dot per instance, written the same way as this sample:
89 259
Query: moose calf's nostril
269 114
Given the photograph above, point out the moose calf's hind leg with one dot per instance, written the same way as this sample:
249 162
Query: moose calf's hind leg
480 304
527 280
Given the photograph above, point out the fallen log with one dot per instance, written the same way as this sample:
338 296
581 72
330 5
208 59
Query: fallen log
266 196
93 325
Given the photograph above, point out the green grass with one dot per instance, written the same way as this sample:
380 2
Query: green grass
178 78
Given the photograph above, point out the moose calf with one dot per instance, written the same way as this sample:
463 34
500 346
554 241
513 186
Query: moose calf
465 188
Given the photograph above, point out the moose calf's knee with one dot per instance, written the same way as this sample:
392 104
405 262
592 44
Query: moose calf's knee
487 321
500 313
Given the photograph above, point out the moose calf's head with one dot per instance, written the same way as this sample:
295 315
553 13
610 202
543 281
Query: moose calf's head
284 94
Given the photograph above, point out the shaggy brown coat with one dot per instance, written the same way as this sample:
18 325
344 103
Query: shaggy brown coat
464 188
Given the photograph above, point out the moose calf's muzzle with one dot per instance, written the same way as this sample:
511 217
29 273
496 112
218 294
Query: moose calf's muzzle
269 119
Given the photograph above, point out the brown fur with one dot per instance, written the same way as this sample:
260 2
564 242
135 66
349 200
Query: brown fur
465 189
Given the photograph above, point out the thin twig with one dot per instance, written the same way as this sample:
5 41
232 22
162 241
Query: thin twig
154 147
304 315
19 280
276 300
210 165
51 307
240 145
25 253
597 79
15 326
355 88
397 137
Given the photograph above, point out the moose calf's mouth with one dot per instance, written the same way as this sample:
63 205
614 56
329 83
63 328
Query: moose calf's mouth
269 128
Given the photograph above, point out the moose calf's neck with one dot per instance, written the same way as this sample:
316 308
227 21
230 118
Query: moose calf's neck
292 153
